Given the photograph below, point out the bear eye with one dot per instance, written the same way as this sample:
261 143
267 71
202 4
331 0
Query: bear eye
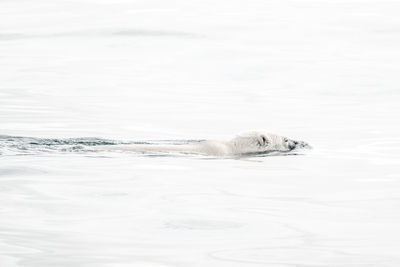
286 140
264 140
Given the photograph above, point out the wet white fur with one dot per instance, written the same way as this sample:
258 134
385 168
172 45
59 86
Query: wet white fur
252 142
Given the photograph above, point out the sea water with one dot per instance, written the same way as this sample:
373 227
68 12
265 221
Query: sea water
79 73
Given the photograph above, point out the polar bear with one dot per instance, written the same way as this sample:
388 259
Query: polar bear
246 143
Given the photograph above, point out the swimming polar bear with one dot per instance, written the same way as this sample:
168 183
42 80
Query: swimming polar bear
247 143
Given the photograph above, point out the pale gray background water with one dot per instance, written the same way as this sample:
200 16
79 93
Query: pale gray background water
326 72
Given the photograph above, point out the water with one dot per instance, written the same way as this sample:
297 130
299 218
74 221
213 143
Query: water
76 74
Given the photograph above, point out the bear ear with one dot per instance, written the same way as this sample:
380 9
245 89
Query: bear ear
262 140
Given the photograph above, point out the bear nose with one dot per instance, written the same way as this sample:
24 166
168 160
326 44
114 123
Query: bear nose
303 144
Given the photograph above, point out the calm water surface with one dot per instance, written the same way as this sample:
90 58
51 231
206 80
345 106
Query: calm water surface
90 72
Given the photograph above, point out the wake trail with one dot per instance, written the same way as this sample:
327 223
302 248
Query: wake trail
18 145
